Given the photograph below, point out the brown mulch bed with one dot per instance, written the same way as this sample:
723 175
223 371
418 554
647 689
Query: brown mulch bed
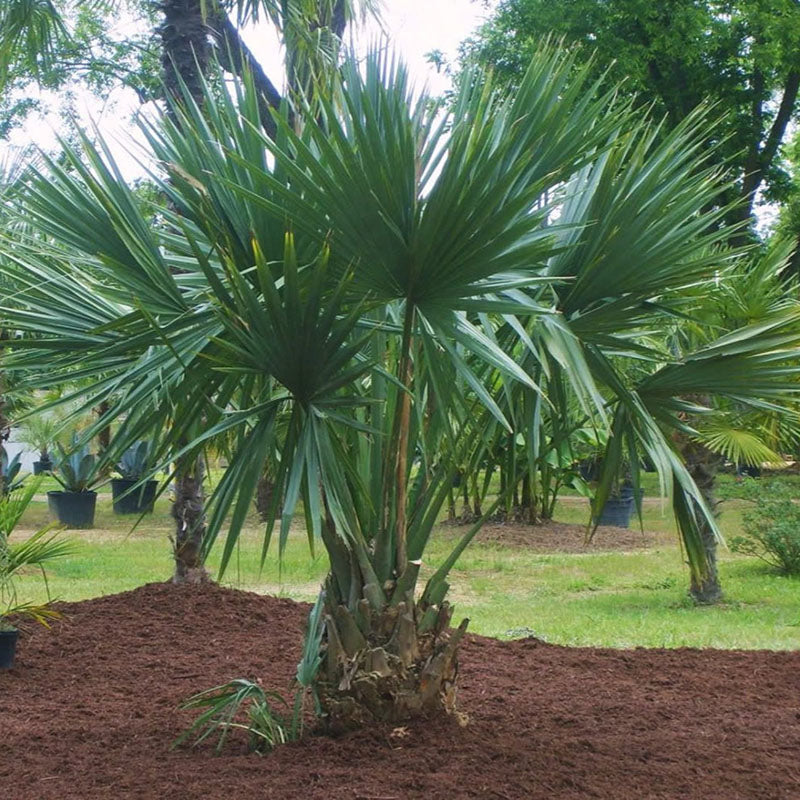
90 712
561 537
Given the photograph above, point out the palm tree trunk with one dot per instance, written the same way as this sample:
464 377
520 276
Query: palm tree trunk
527 509
188 511
386 656
185 47
4 434
386 664
389 669
265 491
184 59
104 435
702 465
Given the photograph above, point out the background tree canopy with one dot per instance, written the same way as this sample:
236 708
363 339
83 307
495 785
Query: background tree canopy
742 55
61 46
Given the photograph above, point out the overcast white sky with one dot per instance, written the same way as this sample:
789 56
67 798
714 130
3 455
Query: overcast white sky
413 27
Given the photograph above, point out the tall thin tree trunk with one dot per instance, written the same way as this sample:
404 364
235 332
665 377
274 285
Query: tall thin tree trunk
466 511
476 495
184 47
104 436
702 465
528 506
4 434
184 59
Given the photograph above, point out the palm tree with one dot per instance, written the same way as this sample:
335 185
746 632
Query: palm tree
29 31
311 34
345 306
734 428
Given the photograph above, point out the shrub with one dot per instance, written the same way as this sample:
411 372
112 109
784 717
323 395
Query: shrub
772 527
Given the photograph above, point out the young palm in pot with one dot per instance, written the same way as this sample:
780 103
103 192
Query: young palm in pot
37 551
39 432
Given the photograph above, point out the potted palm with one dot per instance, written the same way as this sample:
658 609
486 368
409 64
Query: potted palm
77 472
132 495
38 550
39 433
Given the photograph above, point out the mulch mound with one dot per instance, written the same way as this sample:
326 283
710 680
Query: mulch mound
561 537
90 712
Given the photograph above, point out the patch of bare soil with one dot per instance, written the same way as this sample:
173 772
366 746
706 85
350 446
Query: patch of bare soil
90 712
561 537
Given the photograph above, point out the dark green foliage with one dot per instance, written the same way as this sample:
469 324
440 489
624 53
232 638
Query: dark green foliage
772 526
675 55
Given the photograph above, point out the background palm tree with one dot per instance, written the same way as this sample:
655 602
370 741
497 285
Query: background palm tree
311 34
29 31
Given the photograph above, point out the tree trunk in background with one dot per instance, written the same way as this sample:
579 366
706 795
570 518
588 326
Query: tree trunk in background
185 53
527 508
104 436
185 47
188 511
264 493
4 434
702 465
235 57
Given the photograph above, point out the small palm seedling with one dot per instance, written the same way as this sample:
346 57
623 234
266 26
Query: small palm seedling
40 432
242 704
266 725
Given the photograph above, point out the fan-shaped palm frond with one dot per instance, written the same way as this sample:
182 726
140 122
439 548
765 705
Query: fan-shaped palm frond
377 297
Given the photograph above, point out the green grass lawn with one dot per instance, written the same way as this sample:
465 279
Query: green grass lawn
615 599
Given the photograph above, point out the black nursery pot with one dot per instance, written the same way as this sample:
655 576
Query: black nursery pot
73 509
617 512
748 471
139 501
42 466
8 647
627 491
